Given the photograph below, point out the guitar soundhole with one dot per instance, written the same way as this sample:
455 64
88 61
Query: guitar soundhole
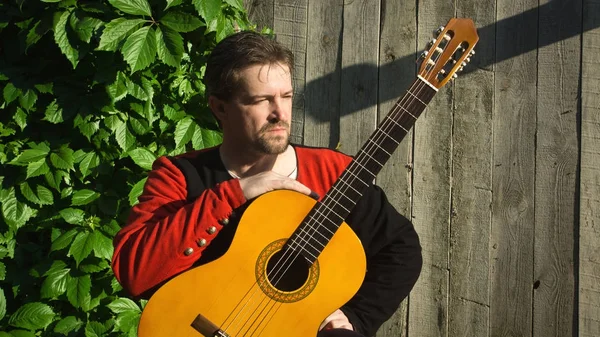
287 270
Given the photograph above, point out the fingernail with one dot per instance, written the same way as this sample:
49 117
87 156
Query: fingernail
314 195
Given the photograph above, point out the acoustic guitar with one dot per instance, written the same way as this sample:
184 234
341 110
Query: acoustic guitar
290 266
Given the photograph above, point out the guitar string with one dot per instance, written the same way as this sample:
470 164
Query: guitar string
389 122
398 107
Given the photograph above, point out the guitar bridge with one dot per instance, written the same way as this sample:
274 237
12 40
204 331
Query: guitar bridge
207 328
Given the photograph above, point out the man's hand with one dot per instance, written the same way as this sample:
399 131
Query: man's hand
337 320
264 182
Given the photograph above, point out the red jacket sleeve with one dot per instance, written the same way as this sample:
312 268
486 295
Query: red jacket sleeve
165 234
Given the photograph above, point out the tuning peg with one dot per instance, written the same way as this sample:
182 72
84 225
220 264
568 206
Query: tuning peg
472 52
424 54
432 42
463 64
454 76
443 71
460 69
439 30
468 59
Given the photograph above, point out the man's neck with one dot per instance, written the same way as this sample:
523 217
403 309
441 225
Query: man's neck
244 163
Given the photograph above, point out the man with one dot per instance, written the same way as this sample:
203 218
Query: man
191 204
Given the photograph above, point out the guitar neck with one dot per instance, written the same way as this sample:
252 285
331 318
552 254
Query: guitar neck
326 217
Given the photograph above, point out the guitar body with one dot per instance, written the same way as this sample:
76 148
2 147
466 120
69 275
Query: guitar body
234 292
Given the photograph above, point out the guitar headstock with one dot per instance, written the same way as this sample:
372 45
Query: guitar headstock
450 52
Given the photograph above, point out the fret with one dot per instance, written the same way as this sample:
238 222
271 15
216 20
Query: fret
403 108
347 184
315 230
326 217
361 151
390 137
333 199
310 236
418 99
334 188
379 146
305 250
400 125
305 244
366 169
357 177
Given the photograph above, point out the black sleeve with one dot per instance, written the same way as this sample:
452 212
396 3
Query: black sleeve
394 261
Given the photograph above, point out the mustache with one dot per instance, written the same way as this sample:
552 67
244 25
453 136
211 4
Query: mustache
270 126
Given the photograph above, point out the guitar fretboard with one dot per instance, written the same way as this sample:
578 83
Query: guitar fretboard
326 216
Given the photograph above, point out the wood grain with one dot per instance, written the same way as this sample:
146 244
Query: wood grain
589 231
290 25
398 44
556 169
470 224
359 84
431 191
513 174
323 73
260 12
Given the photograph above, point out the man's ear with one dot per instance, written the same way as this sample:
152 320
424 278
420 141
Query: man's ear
218 107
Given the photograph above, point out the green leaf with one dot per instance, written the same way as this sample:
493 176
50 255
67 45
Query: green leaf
61 39
84 26
142 157
21 333
118 89
78 291
72 216
95 329
134 7
45 195
28 100
29 156
184 130
84 197
127 321
208 9
32 316
15 214
88 163
82 246
20 117
238 4
116 31
2 304
45 88
113 122
67 325
11 92
139 49
123 304
103 247
55 283
2 274
169 46
63 159
124 138
136 191
173 114
63 240
54 113
37 168
173 3
29 194
181 22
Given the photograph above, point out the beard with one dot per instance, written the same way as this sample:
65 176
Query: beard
273 144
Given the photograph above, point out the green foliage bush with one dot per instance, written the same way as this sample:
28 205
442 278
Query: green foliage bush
92 92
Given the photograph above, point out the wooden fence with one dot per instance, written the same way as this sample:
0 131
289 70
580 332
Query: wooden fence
501 174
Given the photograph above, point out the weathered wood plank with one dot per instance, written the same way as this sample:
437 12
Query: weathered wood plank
431 191
513 172
396 72
556 168
323 73
470 225
260 12
290 26
589 231
360 46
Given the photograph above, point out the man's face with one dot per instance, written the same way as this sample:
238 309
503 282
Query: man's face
258 116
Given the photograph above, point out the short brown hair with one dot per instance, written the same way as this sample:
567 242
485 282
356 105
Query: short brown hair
237 52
